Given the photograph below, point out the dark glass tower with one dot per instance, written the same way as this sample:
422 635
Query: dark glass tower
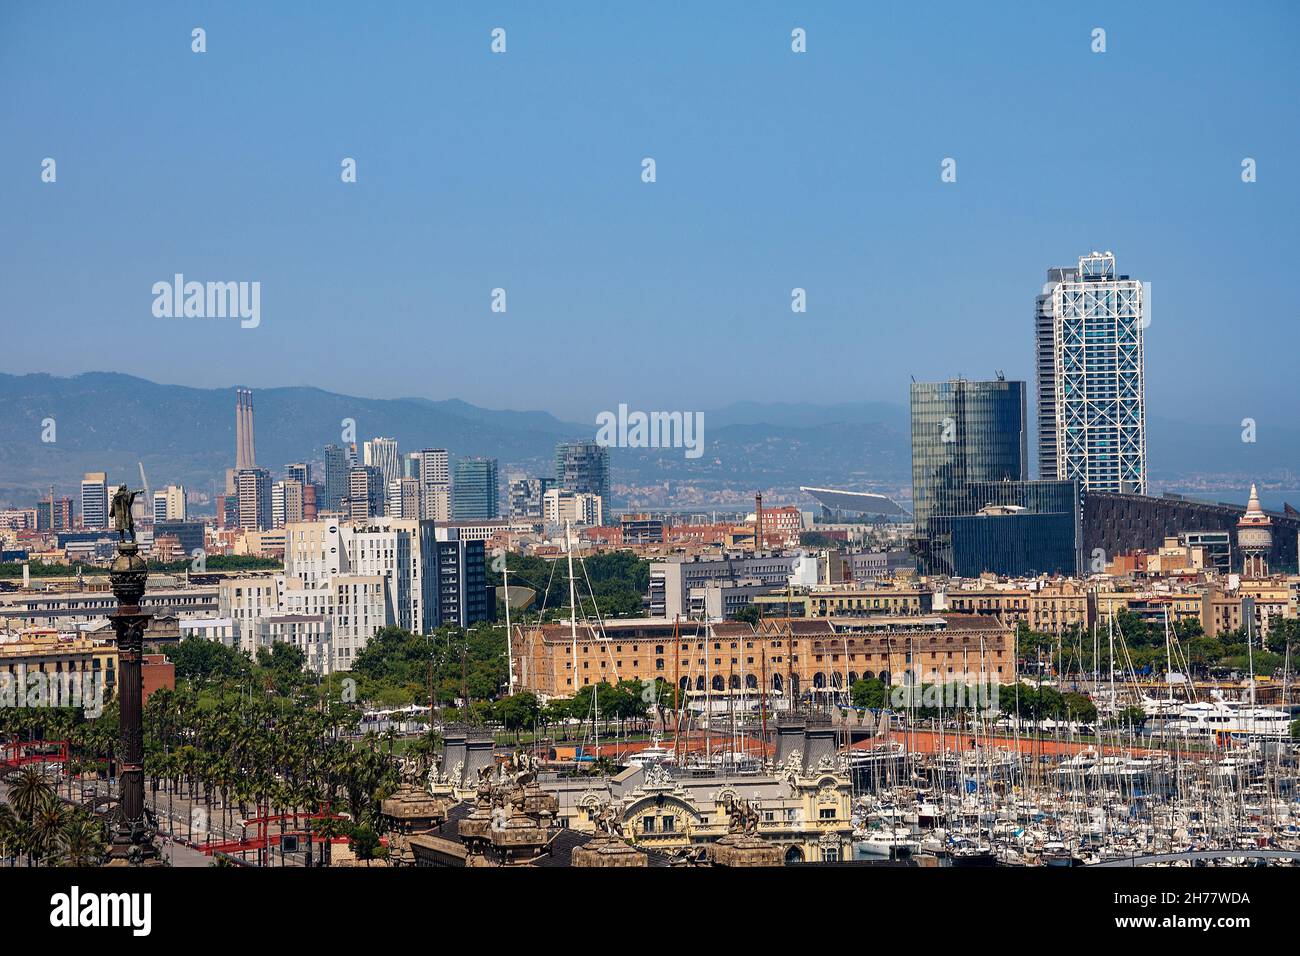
474 492
336 477
962 432
583 466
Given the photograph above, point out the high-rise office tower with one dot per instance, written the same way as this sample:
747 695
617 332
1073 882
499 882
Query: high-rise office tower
1100 407
475 490
365 493
962 432
435 484
228 509
382 453
336 478
287 502
94 500
404 498
582 466
169 503
245 454
299 471
54 514
525 496
253 486
1045 368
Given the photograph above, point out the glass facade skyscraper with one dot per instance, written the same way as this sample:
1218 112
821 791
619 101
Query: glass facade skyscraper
962 432
1018 528
1045 368
474 492
583 466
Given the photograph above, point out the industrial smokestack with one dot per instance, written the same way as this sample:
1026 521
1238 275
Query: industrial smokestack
245 456
240 460
758 522
248 431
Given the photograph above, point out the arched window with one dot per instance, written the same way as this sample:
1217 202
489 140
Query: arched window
853 678
734 683
794 855
751 682
837 680
699 682
718 683
776 683
819 680
684 683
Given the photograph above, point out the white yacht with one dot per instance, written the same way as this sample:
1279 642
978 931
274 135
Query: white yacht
653 755
885 842
1224 717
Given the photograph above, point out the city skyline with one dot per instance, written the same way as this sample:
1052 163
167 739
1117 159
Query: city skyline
754 434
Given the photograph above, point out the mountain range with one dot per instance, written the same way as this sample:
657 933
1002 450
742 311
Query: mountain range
105 421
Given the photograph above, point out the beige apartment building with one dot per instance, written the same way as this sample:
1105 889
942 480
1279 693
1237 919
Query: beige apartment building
1011 604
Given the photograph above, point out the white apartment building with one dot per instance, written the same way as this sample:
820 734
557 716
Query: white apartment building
435 485
317 552
489 528
356 606
169 503
310 633
559 506
286 502
246 599
220 629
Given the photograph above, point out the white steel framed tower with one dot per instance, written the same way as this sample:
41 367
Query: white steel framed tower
1045 368
1097 321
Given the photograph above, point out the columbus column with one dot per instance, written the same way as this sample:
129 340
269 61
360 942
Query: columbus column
132 837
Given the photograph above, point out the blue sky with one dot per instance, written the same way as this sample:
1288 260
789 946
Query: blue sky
522 171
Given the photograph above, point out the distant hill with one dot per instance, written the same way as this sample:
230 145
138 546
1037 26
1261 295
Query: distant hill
108 421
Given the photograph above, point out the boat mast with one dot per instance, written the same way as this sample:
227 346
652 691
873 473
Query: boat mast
677 683
510 654
708 697
1169 666
573 607
1110 640
762 700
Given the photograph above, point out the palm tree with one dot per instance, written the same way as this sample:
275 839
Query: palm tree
47 827
10 836
82 842
29 791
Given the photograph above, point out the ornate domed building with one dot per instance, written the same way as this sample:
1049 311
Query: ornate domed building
1254 538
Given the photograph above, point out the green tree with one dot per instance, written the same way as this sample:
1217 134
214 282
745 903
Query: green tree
869 692
201 660
364 842
518 712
